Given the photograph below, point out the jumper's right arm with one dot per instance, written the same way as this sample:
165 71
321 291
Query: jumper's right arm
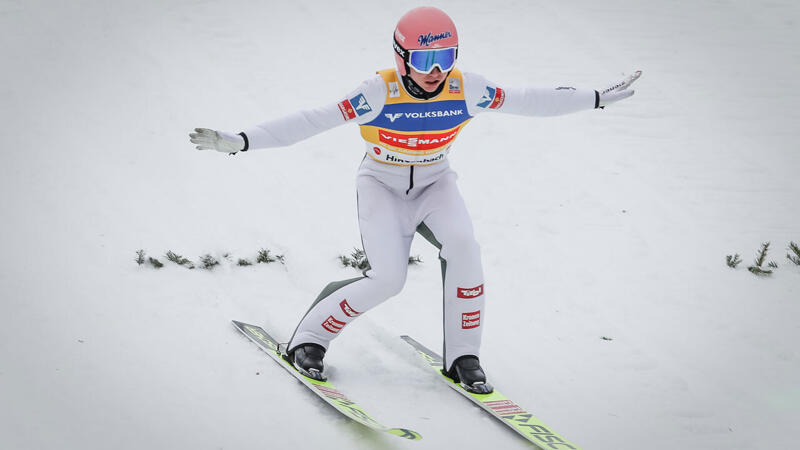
297 126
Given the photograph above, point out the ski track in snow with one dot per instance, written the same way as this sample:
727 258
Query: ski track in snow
607 223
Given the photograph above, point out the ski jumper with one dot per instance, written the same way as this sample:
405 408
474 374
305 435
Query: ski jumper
405 186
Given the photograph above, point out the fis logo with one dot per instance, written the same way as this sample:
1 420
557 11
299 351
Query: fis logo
394 90
454 86
493 98
470 292
333 325
360 104
347 310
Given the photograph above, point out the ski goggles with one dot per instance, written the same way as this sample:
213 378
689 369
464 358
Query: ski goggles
424 61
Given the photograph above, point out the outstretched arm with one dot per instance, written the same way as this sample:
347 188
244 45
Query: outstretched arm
295 127
483 95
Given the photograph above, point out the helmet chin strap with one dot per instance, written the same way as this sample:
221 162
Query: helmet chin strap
417 91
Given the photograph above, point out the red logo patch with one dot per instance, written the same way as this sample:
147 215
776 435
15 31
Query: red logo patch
505 407
347 110
471 320
347 310
499 99
417 141
377 150
333 325
470 292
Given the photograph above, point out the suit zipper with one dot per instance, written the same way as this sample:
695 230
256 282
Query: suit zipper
410 180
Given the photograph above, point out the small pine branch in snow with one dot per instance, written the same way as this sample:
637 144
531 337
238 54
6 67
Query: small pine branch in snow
265 258
208 261
772 265
155 263
757 268
179 260
796 250
244 262
357 259
733 261
759 271
140 257
762 254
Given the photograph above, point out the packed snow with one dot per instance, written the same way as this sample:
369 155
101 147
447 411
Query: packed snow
611 313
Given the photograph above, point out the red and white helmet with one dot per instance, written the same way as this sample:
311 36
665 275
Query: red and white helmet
423 28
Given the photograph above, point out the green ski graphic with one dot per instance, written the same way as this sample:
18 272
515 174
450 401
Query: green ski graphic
499 406
324 389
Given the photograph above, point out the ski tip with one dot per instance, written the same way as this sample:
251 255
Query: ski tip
405 433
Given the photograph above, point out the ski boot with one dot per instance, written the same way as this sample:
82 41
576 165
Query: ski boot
466 370
307 359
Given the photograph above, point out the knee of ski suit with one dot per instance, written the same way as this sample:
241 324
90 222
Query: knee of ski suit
460 247
387 282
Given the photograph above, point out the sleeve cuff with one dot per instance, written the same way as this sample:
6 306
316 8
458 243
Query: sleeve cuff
247 141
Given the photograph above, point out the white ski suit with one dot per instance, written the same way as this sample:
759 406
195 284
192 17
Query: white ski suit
405 185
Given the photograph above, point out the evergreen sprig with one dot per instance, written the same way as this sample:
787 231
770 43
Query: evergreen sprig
357 259
179 260
155 263
208 261
762 254
756 269
265 257
733 261
414 260
759 271
140 257
244 262
796 250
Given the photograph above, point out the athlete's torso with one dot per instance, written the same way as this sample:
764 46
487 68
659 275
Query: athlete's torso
413 132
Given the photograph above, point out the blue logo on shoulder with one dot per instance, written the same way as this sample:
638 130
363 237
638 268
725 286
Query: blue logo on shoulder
487 98
360 104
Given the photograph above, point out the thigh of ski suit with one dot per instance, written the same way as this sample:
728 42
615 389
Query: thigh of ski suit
387 229
445 222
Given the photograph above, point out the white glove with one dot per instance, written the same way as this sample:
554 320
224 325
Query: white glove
617 91
220 141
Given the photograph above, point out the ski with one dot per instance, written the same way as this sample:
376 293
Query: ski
324 389
499 406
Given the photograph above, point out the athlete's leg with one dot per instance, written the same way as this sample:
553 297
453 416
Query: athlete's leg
446 224
386 233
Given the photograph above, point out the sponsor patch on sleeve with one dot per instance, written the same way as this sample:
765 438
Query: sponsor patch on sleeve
359 103
346 108
493 98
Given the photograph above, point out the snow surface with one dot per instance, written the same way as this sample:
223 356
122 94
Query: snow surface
607 223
